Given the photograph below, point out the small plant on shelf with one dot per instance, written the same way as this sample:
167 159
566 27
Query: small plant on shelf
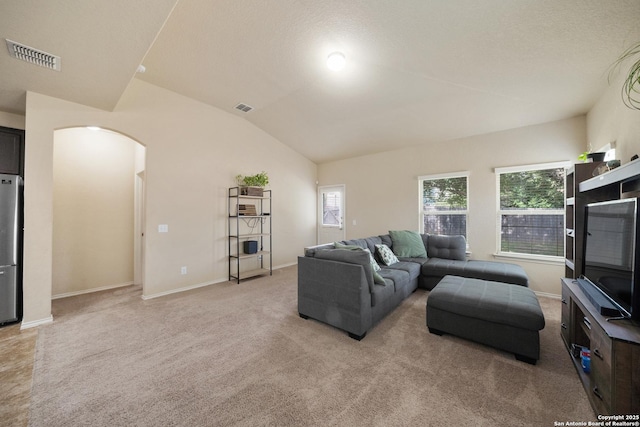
252 185
258 180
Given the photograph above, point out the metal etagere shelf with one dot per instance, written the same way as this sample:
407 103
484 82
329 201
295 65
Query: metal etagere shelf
249 221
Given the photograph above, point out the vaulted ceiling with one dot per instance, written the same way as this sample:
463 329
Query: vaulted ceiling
417 71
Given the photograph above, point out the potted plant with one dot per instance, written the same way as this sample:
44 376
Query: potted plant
631 85
252 185
594 157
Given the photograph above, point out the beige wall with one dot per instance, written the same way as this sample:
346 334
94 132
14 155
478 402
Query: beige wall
14 121
382 189
610 120
93 177
193 153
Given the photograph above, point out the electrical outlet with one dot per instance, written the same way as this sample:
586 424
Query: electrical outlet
183 270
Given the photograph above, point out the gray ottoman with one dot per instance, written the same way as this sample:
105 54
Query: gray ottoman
504 316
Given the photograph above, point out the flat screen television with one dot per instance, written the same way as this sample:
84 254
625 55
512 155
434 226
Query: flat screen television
611 253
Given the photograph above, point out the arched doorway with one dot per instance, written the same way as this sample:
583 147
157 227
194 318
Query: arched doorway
98 211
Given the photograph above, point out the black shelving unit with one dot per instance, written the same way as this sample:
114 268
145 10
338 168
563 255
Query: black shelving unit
574 215
249 221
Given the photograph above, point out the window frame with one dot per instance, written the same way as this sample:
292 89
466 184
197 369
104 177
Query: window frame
421 211
340 210
560 259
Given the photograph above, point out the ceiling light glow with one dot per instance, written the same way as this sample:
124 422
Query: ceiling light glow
336 61
93 128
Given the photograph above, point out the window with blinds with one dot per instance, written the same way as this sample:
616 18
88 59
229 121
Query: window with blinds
444 203
332 208
531 209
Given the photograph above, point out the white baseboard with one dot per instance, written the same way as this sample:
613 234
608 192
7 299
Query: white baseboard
186 288
200 285
548 295
34 323
285 265
88 291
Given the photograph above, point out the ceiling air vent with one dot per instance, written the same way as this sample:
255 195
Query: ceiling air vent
34 56
244 107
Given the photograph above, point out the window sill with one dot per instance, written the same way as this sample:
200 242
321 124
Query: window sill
542 259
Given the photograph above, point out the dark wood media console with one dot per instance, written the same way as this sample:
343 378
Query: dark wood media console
613 385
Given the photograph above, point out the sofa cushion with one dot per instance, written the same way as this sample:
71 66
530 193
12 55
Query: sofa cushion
374 264
311 250
407 244
447 247
372 242
355 242
419 261
386 240
386 255
399 278
410 267
475 269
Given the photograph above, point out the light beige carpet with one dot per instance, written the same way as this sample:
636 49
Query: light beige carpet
232 354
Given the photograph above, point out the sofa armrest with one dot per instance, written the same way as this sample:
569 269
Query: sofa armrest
358 257
336 293
311 250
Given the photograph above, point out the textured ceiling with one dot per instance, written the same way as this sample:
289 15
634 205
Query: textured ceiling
101 43
418 71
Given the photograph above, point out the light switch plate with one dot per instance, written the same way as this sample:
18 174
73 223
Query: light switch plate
163 228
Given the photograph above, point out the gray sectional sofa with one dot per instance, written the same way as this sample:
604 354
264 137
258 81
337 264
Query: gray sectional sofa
340 287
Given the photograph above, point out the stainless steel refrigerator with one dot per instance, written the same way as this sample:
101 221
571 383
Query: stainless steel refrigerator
10 248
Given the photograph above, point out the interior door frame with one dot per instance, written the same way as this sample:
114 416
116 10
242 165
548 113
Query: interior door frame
343 228
139 227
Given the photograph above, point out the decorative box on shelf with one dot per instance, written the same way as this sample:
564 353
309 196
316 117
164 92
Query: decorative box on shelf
247 210
252 191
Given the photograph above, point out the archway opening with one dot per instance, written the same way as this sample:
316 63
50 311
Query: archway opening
98 211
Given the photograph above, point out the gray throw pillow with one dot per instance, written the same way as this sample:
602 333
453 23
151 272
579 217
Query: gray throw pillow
407 244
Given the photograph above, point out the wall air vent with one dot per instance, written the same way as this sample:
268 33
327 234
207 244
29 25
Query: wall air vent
244 107
34 56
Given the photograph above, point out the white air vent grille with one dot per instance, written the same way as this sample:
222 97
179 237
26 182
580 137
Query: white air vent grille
34 56
244 107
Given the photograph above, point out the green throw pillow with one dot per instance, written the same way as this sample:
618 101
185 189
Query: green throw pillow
407 244
377 278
